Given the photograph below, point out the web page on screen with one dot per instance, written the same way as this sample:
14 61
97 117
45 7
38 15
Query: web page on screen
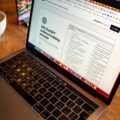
82 37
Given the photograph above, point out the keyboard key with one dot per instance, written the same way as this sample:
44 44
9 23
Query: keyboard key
48 95
66 110
40 71
84 98
14 75
28 88
70 104
33 92
45 75
9 62
11 72
19 80
61 87
52 89
47 85
53 100
38 107
8 78
23 93
45 114
77 109
42 90
58 94
41 81
14 66
36 68
73 116
24 65
28 78
79 101
50 107
44 102
32 82
88 108
24 84
50 79
55 83
1 71
73 96
32 73
38 97
67 92
59 105
28 69
64 99
56 113
3 64
83 115
63 117
37 77
51 118
18 70
37 86
23 74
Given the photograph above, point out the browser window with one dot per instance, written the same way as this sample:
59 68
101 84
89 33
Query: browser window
82 37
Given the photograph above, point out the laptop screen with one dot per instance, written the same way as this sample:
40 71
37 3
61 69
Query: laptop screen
80 36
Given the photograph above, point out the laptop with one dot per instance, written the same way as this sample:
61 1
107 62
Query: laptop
70 67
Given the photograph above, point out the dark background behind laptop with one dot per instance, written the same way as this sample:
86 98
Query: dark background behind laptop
113 3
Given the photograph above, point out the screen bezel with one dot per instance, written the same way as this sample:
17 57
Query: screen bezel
87 88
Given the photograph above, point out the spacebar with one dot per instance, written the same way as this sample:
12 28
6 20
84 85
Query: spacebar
23 93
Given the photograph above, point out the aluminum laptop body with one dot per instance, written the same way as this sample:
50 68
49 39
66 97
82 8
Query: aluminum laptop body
77 41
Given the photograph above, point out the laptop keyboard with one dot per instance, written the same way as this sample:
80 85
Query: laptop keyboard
47 94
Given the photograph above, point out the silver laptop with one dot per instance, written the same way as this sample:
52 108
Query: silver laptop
70 67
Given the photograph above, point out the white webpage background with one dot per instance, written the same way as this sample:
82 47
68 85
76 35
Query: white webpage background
89 36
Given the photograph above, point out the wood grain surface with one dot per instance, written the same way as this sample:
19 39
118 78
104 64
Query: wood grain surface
14 39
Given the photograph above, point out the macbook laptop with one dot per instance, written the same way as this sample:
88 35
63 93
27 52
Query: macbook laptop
70 67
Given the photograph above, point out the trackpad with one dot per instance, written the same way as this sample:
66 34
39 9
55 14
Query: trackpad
12 107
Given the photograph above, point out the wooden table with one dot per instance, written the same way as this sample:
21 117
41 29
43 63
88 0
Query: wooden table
14 39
